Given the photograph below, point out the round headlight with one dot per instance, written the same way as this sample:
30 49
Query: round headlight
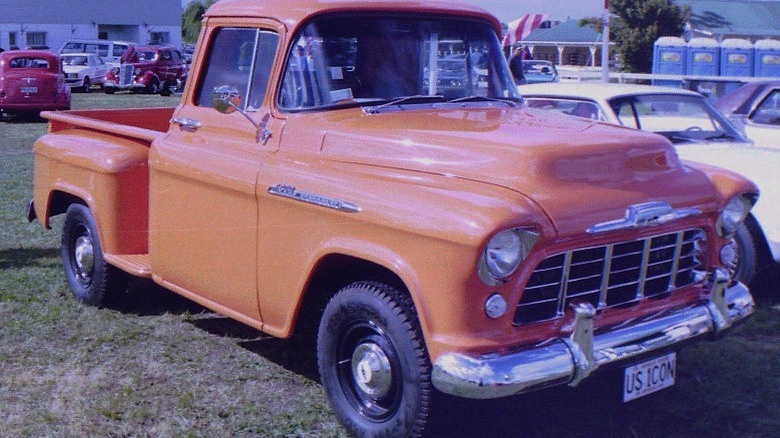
504 253
734 214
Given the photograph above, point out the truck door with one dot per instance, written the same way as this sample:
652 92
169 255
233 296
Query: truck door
203 175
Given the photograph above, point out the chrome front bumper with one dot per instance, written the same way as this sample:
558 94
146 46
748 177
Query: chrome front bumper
570 360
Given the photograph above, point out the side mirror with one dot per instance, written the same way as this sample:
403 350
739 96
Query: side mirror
226 99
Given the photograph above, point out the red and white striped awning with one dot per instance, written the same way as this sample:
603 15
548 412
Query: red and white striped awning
520 28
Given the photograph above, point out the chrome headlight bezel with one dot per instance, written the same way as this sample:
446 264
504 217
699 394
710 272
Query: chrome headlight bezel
734 214
504 253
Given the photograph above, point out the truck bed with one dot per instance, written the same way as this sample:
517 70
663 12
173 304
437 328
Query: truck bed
139 123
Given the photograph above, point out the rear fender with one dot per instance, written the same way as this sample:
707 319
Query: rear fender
109 174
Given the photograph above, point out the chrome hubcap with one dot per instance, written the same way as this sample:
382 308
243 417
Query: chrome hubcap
371 370
84 256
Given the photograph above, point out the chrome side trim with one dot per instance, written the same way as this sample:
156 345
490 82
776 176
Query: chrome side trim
310 198
570 360
645 215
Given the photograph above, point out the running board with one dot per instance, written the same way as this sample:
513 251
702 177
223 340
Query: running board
138 265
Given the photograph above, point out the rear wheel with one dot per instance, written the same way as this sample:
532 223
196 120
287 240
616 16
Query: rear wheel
166 88
90 278
373 363
87 85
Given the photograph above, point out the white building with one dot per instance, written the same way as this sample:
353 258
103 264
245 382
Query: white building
50 23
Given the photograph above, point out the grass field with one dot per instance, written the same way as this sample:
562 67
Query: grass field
156 365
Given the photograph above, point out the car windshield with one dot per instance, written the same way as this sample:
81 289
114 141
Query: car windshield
680 118
341 61
75 60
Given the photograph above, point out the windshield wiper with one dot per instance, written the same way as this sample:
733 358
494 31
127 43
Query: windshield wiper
506 101
419 98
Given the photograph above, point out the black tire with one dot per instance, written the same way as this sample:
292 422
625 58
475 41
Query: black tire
90 278
109 90
153 86
166 89
745 266
373 362
87 87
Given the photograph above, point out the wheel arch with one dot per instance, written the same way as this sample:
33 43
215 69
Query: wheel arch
331 273
59 200
760 242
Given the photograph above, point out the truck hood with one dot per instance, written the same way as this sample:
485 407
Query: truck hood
578 172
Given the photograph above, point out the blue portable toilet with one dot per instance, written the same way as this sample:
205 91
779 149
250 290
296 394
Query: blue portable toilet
767 58
703 57
736 60
669 58
736 57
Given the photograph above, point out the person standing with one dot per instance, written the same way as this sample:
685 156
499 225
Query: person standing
516 66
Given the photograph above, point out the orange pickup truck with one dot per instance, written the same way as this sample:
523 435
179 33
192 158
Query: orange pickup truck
367 169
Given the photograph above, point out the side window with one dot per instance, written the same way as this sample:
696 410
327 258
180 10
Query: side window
768 113
625 113
264 59
119 50
230 62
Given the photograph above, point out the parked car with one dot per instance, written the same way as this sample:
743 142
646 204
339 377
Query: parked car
755 106
149 69
31 81
699 132
539 71
109 51
83 70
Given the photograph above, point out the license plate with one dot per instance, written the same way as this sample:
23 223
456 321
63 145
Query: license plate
648 377
29 90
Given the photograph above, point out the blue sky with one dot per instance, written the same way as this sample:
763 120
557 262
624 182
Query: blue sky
508 10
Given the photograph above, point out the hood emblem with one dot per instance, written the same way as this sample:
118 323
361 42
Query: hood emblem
645 215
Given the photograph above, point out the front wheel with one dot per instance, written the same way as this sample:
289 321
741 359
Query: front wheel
89 276
152 87
745 264
373 362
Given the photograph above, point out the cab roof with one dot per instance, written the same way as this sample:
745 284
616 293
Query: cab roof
293 12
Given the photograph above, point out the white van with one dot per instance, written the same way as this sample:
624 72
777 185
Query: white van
110 51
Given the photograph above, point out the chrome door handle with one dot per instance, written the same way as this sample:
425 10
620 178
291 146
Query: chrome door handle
187 124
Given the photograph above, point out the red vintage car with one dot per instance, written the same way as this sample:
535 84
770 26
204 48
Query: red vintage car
32 81
149 69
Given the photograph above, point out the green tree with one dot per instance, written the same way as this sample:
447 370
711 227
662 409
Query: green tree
191 19
636 27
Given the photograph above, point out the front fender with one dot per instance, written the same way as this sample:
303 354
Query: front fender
146 78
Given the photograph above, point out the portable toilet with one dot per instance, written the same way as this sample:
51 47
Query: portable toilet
703 57
767 58
736 60
669 58
736 57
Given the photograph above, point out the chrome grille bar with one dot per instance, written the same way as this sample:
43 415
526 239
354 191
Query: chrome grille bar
613 275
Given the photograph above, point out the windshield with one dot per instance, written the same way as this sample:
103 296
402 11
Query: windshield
680 118
352 61
75 60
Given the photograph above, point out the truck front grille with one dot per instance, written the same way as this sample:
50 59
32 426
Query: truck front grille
613 275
